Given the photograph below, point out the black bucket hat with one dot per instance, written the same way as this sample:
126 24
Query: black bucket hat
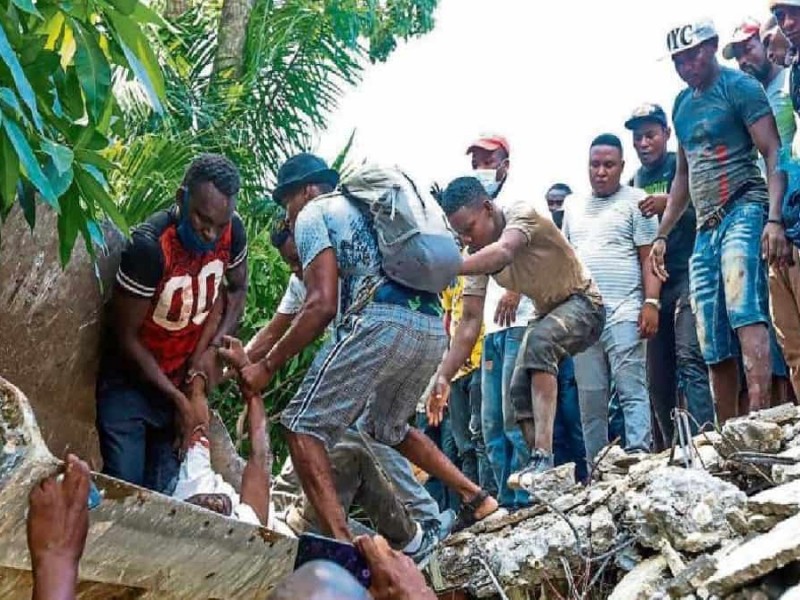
303 169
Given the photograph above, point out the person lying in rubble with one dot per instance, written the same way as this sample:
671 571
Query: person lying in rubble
199 484
366 473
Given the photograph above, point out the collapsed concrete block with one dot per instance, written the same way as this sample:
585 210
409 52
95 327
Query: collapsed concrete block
748 435
686 507
757 557
552 484
782 501
603 530
781 415
692 577
643 582
786 473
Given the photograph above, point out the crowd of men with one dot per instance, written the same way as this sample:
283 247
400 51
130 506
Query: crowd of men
677 290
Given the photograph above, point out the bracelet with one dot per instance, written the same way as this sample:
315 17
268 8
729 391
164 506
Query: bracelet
776 221
660 237
654 302
195 373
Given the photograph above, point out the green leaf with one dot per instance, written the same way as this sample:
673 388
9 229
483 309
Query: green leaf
61 155
141 57
9 99
20 80
69 222
9 171
93 70
29 163
70 94
145 14
95 193
93 158
126 7
59 180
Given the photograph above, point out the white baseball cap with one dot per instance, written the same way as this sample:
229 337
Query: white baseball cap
773 4
690 35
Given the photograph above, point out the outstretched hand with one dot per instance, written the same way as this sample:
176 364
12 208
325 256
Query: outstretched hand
437 401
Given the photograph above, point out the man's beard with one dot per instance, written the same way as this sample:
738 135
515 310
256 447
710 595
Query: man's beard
761 74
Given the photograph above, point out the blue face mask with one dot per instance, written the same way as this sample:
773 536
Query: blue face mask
186 233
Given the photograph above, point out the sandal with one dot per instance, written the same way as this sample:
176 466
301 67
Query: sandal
466 514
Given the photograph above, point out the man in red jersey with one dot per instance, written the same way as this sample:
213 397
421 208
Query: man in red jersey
162 356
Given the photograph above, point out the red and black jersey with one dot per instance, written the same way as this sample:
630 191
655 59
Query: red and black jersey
182 286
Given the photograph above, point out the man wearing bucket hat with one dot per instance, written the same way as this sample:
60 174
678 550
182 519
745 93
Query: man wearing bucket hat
750 52
386 341
719 120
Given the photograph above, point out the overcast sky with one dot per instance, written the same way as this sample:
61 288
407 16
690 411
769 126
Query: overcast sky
548 75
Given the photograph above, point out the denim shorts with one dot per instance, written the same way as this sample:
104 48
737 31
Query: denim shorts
376 366
728 280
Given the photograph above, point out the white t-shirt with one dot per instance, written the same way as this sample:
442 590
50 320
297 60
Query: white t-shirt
197 477
293 298
606 234
509 194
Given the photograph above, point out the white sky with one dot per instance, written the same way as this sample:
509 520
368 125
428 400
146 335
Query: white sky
549 75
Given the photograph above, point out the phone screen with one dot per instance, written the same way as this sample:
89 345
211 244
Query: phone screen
316 547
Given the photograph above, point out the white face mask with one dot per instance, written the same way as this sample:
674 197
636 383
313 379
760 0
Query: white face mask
488 179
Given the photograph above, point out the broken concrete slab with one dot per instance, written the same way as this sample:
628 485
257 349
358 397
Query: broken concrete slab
685 506
745 434
781 415
786 473
757 557
643 582
550 485
692 577
603 530
782 501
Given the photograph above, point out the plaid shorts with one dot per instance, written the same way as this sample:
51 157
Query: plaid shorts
378 363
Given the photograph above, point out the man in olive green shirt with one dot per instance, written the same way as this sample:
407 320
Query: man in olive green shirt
526 253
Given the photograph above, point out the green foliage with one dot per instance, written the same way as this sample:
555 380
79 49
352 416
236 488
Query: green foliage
57 109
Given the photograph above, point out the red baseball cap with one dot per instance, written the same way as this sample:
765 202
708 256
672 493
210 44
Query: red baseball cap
490 143
742 33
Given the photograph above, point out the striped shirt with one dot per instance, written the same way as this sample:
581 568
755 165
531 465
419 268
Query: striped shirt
606 234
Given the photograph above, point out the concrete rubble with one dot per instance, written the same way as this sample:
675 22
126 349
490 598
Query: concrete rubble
648 526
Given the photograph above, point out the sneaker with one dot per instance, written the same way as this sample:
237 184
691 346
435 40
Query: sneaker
523 479
430 539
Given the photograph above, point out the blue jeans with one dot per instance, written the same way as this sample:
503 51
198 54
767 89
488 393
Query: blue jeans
505 446
442 436
419 503
675 364
568 443
465 420
136 425
618 356
728 280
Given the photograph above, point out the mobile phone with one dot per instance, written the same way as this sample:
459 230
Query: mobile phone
316 547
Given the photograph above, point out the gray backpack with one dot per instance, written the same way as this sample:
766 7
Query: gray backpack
418 247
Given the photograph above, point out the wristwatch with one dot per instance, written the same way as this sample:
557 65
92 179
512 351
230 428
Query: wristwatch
654 301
